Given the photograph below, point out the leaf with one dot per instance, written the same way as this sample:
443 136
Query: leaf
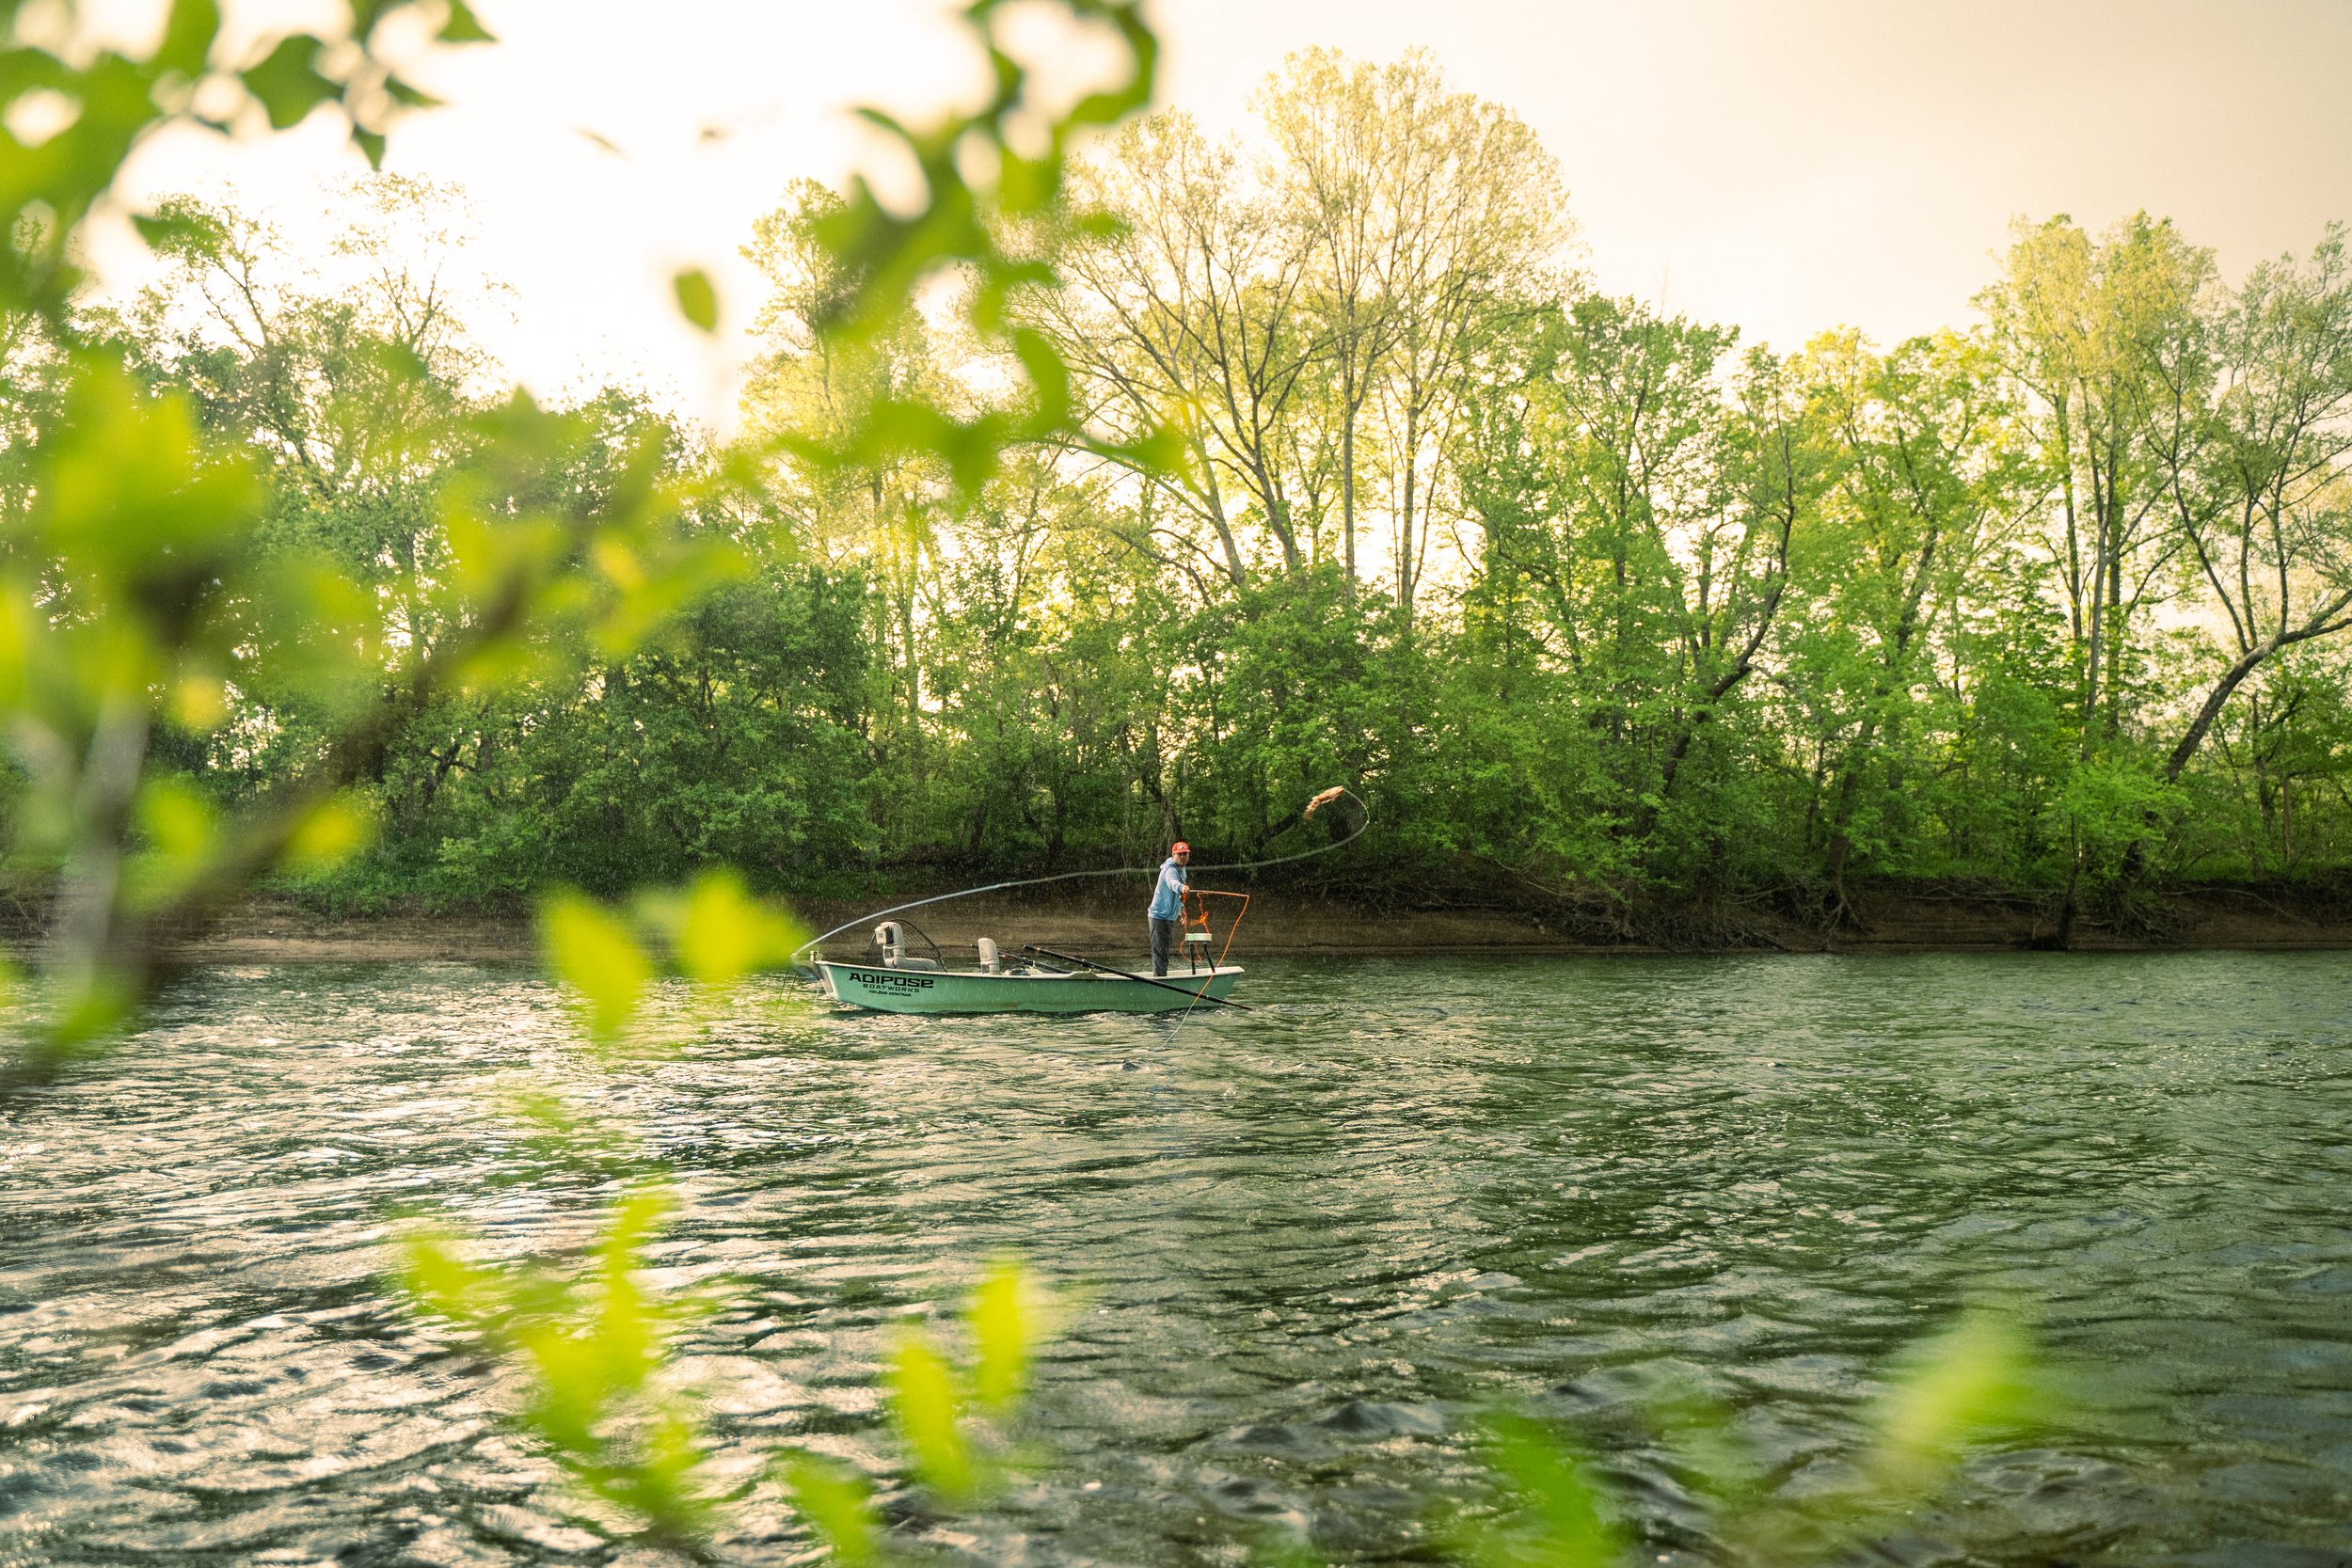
167 232
1557 1522
401 362
1956 1389
90 1018
1283 1548
1962 1384
627 1330
441 1281
594 954
331 834
1002 1335
472 544
651 599
132 493
838 1504
493 554
409 95
319 632
923 1401
571 1392
698 298
182 831
723 933
1700 1431
365 14
463 26
179 822
660 1483
188 36
288 84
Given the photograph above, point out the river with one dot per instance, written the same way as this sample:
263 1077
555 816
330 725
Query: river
1303 1248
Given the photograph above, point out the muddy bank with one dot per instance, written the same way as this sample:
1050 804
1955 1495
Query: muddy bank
1886 919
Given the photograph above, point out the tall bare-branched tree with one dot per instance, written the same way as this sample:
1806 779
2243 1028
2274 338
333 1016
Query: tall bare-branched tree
2259 468
1194 316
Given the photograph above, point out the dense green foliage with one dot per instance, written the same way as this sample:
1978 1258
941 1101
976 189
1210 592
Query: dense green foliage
1334 471
1598 606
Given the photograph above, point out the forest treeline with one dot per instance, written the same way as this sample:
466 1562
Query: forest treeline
1594 603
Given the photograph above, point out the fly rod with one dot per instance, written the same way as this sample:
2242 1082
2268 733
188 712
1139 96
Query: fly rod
1312 806
1201 995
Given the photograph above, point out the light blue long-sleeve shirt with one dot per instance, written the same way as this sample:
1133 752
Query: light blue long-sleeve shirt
1168 898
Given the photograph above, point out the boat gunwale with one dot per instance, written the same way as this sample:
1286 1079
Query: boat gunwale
1091 976
1004 993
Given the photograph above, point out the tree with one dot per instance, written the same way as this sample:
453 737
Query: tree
1923 483
352 382
879 513
1429 214
2101 339
1193 316
2255 466
1647 503
1330 145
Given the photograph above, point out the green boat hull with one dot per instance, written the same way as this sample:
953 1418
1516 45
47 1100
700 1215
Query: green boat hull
940 990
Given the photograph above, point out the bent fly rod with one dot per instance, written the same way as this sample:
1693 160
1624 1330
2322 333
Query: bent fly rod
1334 793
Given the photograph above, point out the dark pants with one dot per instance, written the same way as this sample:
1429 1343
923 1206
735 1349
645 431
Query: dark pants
1163 943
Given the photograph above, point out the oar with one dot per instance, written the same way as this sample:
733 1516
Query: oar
1201 995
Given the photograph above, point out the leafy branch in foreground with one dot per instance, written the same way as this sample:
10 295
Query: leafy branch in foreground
74 114
968 229
1952 1391
134 594
138 590
593 1346
593 1343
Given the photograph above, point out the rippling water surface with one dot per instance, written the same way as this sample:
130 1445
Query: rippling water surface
1313 1243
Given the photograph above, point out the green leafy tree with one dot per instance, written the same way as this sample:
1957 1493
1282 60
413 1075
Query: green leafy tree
2254 466
1924 488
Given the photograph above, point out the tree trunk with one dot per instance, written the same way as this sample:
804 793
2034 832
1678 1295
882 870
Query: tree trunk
2210 708
1646 818
1347 484
1841 836
2098 623
1404 552
1233 568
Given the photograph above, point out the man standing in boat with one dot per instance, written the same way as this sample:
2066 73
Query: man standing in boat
1167 905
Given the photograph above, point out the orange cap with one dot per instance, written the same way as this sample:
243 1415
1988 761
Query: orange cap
1181 848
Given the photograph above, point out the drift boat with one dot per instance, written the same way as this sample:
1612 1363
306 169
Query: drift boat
893 980
1049 982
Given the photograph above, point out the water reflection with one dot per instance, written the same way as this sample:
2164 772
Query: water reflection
1312 1242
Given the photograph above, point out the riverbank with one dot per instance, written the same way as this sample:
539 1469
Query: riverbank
1885 919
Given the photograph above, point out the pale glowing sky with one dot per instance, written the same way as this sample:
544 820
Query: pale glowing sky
1785 165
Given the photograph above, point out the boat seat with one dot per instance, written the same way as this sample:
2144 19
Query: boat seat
903 962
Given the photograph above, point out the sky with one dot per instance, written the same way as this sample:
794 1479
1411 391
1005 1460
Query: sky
1785 165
